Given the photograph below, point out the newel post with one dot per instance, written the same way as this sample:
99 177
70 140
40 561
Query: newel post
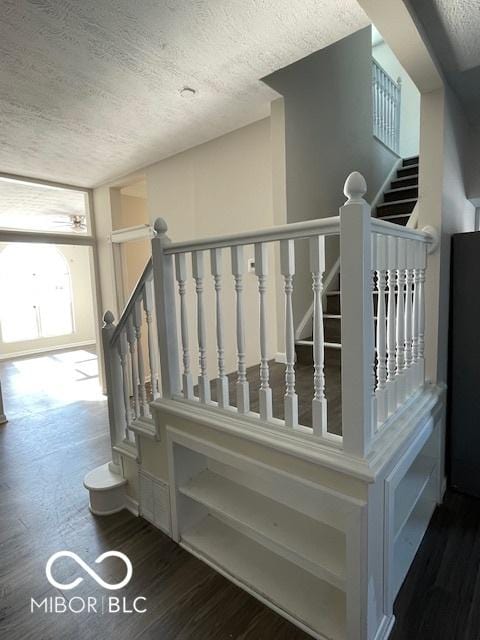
357 318
164 286
114 385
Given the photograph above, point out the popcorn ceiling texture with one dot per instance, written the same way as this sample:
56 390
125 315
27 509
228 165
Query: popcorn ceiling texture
90 90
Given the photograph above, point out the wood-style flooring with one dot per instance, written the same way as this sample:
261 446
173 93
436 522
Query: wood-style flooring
57 431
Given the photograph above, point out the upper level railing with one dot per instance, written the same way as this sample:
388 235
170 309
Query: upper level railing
386 97
382 322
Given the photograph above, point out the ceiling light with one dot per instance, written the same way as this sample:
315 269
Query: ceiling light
187 92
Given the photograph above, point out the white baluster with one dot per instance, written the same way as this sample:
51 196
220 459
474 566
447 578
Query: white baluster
181 275
400 325
319 402
238 267
421 313
132 339
122 352
381 341
113 381
416 309
148 305
409 317
222 380
261 270
391 319
287 261
198 274
137 321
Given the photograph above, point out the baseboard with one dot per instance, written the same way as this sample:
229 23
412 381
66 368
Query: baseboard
132 506
280 357
33 352
385 628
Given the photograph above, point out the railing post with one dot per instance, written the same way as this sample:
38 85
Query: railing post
114 385
164 284
358 402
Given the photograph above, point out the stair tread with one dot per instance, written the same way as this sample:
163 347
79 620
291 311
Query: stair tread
407 188
309 343
405 178
396 215
389 204
333 316
408 166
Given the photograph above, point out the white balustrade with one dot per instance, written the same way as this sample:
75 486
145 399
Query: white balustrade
287 262
222 380
132 343
400 320
242 387
381 333
199 275
181 274
386 100
137 323
319 402
261 270
382 345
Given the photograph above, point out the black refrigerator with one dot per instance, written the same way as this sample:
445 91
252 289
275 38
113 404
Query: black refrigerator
463 434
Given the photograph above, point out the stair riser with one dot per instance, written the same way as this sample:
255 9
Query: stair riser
392 209
401 195
304 353
409 161
409 182
401 220
407 171
332 329
333 304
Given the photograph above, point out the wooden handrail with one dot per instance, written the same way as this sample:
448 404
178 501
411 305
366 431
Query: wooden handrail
129 307
324 227
391 229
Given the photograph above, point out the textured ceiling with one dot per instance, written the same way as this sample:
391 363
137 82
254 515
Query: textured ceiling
453 27
37 207
89 90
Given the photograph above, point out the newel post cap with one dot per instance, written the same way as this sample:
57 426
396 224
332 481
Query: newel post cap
160 227
108 318
355 187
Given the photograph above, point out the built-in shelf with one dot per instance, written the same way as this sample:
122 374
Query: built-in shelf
410 535
303 597
411 489
312 545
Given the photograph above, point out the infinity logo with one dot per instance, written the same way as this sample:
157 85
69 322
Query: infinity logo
87 569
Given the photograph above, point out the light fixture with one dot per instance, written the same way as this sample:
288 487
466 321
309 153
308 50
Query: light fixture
187 92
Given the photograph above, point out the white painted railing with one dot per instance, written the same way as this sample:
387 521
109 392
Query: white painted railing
131 361
3 417
382 270
386 96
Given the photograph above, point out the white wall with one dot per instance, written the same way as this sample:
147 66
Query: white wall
410 100
79 260
222 186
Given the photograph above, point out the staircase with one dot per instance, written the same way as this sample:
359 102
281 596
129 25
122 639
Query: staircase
397 207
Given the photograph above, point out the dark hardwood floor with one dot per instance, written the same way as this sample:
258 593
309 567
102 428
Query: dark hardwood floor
58 431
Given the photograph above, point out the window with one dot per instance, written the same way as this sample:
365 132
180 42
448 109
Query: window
35 293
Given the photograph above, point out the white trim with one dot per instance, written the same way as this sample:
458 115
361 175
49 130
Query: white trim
132 233
46 350
387 180
132 505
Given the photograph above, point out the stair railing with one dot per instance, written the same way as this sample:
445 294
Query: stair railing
131 363
382 270
386 97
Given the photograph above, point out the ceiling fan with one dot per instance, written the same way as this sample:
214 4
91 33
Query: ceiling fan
75 222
